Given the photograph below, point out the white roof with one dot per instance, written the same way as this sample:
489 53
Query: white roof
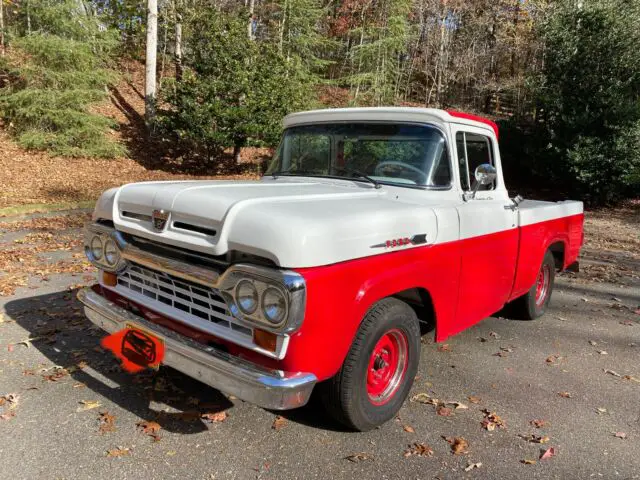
391 114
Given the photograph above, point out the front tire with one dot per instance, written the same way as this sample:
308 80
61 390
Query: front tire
534 303
379 369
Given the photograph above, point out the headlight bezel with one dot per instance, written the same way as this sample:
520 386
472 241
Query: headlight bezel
290 285
106 237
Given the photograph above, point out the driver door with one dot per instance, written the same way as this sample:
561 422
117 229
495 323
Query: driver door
488 231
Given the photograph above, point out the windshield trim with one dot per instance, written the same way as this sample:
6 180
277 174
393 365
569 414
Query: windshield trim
382 182
362 180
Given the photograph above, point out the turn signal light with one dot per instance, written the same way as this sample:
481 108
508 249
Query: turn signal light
109 279
266 340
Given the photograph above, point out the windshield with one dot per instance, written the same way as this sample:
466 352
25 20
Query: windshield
387 153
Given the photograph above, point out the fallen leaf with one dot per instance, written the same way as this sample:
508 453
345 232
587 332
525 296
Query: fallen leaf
409 429
564 394
603 352
419 449
628 323
8 415
538 423
171 453
150 428
444 411
631 378
458 405
552 358
548 453
474 399
444 348
424 398
471 466
358 457
459 446
215 417
107 422
492 420
279 422
118 452
528 462
79 385
601 410
494 335
88 405
507 349
592 343
535 438
619 435
611 372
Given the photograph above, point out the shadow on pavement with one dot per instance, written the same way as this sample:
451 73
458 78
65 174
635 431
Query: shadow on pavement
60 331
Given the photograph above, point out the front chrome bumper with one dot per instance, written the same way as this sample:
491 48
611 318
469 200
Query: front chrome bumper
273 389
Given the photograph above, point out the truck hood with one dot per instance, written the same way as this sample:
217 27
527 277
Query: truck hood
295 223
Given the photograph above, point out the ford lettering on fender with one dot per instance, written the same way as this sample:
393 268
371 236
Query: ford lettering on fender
370 225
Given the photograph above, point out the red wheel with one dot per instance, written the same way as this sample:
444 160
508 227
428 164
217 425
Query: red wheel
534 303
387 366
379 369
542 284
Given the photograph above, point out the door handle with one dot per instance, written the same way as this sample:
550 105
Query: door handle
512 206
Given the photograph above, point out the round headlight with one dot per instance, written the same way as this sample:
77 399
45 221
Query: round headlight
111 253
246 297
274 305
96 247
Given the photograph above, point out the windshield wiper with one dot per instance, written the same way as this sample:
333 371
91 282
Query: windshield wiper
357 174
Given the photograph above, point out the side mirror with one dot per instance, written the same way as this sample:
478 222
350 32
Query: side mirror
485 174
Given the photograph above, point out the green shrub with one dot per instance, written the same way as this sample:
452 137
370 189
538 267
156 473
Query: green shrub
55 75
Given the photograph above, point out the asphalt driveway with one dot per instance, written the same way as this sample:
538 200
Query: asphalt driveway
567 384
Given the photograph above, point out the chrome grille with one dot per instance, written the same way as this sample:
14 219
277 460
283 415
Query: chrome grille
167 292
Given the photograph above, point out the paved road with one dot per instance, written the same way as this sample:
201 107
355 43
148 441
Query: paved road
591 328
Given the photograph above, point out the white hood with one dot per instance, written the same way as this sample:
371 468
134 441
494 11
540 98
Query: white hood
294 222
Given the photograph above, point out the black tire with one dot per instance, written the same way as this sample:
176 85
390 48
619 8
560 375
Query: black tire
346 396
531 306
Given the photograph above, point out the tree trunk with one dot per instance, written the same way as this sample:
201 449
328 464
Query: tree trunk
178 48
1 29
237 150
150 70
250 25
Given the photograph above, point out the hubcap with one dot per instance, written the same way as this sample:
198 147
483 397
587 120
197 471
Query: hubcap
542 285
387 366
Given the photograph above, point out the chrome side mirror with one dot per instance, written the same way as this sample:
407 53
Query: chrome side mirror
485 174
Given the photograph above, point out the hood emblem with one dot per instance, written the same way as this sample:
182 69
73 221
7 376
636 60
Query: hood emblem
159 219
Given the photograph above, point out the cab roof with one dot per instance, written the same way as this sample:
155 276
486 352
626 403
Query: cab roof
393 114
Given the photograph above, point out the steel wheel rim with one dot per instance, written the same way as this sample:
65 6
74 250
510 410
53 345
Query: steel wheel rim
387 366
542 284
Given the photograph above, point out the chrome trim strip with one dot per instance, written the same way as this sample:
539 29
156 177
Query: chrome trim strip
268 388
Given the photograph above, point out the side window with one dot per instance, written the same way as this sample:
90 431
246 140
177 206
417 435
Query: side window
473 151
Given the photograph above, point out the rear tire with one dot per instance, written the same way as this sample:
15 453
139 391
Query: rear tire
534 303
379 369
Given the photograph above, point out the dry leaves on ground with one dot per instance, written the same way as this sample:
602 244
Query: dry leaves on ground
215 417
492 420
118 452
419 449
279 422
471 466
359 457
444 411
425 398
535 438
619 435
88 405
107 422
548 453
565 394
459 446
408 429
538 423
474 399
151 428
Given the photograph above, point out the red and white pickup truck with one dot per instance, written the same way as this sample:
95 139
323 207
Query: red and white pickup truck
370 226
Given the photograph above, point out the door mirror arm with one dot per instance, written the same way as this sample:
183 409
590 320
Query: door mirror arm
485 174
